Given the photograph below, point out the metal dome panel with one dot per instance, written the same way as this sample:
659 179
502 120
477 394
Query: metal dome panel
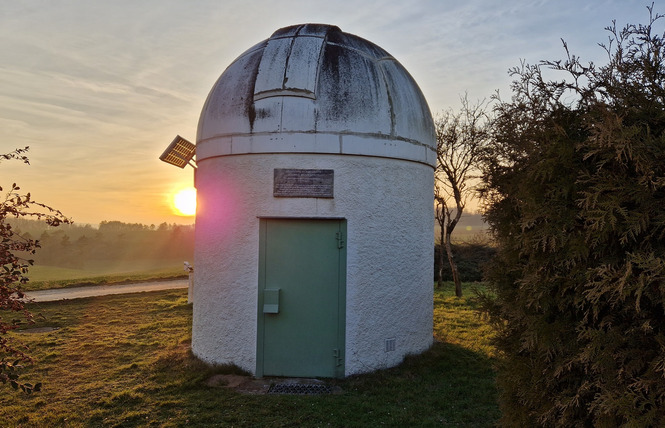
313 79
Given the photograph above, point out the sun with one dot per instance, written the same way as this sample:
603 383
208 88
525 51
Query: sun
184 202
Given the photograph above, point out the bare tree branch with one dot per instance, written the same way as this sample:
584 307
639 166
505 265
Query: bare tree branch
461 138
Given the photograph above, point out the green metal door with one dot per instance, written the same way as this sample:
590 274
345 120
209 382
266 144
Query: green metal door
302 273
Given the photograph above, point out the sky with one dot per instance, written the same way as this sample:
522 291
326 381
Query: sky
99 88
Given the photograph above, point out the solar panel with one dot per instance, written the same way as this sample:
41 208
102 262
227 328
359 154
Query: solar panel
179 152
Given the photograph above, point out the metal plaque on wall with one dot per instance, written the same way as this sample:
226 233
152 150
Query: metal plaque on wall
304 183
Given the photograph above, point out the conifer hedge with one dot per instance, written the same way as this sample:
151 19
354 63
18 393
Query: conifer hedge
575 188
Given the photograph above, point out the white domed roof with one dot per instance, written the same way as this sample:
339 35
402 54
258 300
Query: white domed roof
314 89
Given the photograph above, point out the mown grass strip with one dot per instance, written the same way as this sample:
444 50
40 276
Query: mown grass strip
46 278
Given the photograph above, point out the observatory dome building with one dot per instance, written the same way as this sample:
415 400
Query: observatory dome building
314 229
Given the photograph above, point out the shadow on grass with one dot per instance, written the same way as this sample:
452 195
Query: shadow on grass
446 386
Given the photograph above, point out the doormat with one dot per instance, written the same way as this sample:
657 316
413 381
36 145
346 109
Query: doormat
300 389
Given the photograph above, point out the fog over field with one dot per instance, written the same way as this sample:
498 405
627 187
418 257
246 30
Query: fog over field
111 247
77 251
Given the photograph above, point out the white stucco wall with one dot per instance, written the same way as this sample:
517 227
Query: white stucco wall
388 207
314 97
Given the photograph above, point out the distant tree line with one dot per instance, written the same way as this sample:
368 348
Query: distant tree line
112 242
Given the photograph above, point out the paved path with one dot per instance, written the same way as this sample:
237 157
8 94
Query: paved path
102 290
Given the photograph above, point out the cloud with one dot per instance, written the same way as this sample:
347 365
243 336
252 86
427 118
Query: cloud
98 88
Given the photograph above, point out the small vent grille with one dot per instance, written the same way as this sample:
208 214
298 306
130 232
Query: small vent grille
299 389
390 344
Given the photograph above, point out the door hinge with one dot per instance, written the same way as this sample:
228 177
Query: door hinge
340 240
338 357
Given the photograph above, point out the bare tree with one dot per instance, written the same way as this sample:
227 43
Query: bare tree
461 137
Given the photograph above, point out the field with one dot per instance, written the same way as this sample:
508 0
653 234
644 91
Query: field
125 361
46 277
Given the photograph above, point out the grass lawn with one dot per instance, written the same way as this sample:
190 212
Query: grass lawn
46 277
125 361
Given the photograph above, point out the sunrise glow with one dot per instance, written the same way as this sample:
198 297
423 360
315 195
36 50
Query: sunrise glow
184 202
